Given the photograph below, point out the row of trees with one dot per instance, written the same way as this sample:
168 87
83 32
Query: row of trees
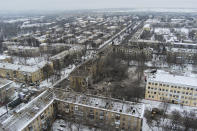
179 121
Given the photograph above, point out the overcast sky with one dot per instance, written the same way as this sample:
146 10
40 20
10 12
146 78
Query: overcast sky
92 4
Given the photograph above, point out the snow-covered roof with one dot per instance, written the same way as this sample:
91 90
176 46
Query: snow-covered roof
29 112
103 103
23 68
62 54
4 82
173 79
2 57
32 110
23 48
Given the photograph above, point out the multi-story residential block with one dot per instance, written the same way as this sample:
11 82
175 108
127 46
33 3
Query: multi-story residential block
22 73
6 90
65 56
133 51
5 58
105 113
24 51
182 54
163 86
38 115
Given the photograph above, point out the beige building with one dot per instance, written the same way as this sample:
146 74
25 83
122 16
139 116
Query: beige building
37 115
27 51
22 73
105 113
6 90
5 58
163 86
133 51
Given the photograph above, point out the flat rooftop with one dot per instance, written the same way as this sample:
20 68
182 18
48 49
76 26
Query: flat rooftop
103 103
165 77
4 82
29 112
23 68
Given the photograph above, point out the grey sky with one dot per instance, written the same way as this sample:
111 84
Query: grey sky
92 4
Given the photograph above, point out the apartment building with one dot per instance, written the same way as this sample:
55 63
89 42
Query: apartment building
38 115
22 73
163 86
5 58
27 51
133 51
105 113
83 75
182 54
64 57
6 90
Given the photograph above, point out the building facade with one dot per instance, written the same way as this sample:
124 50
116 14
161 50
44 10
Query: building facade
104 113
172 88
6 90
22 73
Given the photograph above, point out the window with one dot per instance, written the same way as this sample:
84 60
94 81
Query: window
152 96
76 108
154 92
149 87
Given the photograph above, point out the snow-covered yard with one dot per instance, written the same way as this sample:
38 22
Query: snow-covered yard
61 125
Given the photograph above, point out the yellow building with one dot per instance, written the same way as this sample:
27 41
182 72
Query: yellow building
37 115
22 73
105 113
163 86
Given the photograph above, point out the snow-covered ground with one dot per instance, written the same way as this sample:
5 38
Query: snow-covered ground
61 125
66 71
149 105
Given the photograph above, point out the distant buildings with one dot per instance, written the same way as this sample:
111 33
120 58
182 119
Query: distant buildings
166 87
26 51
